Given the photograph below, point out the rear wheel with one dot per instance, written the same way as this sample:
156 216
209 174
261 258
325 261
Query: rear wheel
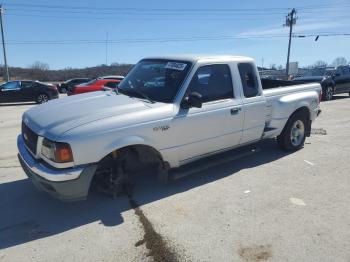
328 93
42 98
293 135
63 90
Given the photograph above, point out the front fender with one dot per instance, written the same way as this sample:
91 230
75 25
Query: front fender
127 141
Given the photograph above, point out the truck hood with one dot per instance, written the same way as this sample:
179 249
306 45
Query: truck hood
58 116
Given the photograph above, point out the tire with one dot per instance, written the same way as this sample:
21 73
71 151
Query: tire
293 134
328 93
42 98
63 90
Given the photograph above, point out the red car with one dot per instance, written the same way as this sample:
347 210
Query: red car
97 84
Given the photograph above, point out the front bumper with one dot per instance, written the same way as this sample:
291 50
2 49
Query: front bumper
67 184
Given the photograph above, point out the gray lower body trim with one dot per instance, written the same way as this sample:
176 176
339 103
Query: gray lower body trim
71 190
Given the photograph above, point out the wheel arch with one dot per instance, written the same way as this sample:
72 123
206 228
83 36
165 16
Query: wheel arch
304 110
131 142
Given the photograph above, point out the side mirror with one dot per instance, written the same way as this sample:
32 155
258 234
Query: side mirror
194 99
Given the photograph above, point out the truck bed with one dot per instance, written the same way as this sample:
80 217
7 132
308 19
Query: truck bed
272 83
280 102
272 88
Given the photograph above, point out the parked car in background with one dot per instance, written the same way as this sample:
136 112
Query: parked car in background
333 80
63 87
98 84
26 91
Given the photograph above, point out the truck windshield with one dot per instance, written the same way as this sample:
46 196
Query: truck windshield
155 80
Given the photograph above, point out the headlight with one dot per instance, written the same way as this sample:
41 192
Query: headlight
56 151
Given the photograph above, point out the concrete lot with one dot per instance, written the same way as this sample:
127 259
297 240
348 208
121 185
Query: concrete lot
266 206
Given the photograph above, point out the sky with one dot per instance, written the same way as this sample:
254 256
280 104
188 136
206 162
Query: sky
83 33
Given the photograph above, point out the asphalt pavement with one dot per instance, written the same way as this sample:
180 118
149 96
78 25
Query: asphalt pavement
261 205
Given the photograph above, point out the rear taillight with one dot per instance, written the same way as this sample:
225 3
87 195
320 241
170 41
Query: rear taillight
53 87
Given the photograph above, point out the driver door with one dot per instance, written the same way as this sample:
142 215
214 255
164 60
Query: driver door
218 124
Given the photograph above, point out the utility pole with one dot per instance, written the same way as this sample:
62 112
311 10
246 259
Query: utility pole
291 20
3 44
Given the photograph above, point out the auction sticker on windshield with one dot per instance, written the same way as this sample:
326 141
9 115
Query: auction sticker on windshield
175 66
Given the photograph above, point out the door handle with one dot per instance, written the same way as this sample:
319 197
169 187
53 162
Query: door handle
235 111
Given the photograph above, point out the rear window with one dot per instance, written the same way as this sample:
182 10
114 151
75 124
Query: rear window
249 79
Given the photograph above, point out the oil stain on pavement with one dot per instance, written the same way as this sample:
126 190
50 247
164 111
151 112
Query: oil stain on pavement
158 248
255 253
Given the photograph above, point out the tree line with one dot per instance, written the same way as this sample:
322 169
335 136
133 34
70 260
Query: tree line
42 72
339 61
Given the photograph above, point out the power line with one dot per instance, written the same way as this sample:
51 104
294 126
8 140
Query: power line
176 10
167 13
140 9
140 40
165 40
144 18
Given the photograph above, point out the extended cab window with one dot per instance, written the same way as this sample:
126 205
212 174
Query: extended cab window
249 79
213 82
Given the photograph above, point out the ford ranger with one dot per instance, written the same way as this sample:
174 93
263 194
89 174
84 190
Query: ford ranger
166 113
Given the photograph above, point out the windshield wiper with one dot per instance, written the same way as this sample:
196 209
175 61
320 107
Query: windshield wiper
137 92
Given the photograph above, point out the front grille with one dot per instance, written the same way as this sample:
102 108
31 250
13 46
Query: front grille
30 138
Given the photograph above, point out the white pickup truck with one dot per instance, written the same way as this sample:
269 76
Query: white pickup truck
167 112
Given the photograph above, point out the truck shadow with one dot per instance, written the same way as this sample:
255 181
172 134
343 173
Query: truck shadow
338 97
18 104
27 214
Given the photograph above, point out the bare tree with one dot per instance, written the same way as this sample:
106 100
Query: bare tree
320 63
340 61
39 71
40 66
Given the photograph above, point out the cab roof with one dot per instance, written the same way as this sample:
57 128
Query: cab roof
195 58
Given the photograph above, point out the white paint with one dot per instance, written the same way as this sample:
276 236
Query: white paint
308 162
247 191
297 201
